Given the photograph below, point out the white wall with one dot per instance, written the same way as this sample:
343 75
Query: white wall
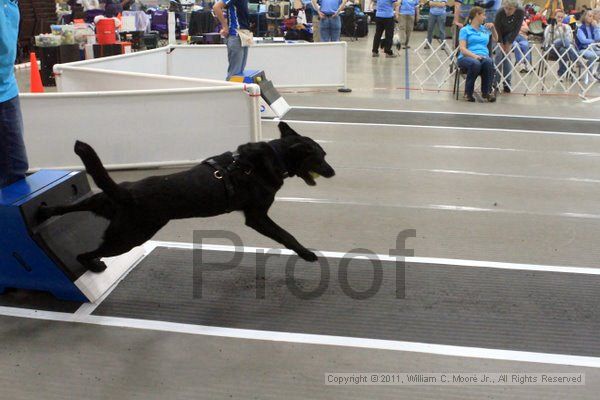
149 62
287 65
79 79
137 128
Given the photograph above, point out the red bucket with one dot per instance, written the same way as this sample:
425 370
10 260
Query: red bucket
105 31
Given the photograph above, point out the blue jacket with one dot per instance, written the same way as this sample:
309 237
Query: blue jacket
9 34
587 35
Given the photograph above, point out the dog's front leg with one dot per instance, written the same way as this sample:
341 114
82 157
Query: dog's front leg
261 223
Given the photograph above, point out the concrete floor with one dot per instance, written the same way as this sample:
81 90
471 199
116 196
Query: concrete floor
494 196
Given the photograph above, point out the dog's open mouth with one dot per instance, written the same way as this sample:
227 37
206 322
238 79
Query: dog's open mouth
310 177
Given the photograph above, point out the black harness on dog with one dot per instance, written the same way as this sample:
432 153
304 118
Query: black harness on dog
224 173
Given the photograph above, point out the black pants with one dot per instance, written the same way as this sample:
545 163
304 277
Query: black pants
387 25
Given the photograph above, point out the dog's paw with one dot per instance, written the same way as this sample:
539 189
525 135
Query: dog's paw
93 265
308 255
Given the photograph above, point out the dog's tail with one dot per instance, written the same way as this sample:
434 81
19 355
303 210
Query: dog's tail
94 167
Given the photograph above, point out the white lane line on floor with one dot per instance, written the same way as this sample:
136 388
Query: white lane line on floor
516 176
464 128
436 207
447 113
323 340
384 257
469 173
476 148
508 149
589 101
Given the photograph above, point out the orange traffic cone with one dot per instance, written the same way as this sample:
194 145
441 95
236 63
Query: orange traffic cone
35 80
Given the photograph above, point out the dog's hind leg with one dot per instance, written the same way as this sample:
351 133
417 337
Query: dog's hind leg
93 204
120 237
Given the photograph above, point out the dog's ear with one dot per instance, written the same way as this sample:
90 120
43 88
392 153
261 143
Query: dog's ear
286 130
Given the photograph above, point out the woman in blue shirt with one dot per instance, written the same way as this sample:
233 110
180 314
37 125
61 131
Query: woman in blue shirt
474 55
13 160
330 24
588 38
409 13
437 17
387 10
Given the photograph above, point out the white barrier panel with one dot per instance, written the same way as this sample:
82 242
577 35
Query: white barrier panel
287 65
438 64
147 62
79 79
138 129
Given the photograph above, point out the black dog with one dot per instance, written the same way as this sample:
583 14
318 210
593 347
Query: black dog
246 181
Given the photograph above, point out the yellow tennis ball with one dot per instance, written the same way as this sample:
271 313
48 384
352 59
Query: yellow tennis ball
314 175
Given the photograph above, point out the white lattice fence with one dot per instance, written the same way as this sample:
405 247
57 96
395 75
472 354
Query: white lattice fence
437 64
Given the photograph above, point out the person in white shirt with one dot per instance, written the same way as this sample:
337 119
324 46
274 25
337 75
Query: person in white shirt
560 35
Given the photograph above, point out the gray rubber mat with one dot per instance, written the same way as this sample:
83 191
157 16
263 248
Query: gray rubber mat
480 307
433 119
37 301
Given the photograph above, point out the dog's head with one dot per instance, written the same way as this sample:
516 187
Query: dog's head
303 156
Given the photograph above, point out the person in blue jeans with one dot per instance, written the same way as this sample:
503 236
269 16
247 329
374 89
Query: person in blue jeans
237 18
588 39
521 48
508 25
13 159
330 24
474 55
437 18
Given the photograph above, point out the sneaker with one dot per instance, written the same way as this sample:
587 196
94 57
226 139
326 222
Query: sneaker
406 46
506 89
427 46
375 54
390 55
490 97
524 70
470 98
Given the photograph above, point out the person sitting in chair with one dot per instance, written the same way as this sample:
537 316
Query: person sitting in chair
474 54
560 35
588 39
